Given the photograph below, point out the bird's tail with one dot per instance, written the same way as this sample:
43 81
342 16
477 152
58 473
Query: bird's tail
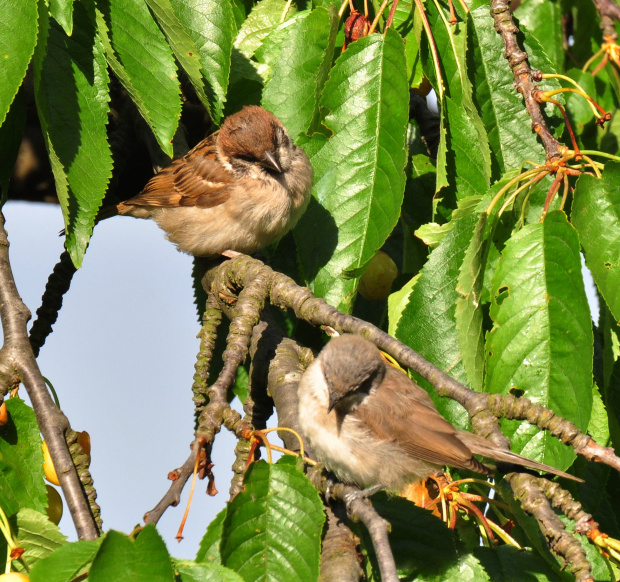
481 446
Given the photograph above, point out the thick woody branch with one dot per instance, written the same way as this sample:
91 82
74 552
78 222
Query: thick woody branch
18 363
524 83
609 13
563 500
211 320
533 501
360 509
507 406
339 560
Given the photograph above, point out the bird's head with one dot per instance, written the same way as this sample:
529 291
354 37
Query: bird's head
254 139
353 368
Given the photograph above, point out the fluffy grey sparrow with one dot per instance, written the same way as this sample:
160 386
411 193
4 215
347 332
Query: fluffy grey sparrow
375 428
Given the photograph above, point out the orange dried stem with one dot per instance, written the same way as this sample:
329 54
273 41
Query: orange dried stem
565 193
179 535
555 186
263 438
452 20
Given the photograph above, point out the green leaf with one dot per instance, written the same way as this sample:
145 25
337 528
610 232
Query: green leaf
468 313
472 165
596 216
359 171
543 19
299 54
264 18
209 550
21 460
505 118
121 559
468 169
37 535
65 563
192 572
210 24
272 530
451 44
397 302
428 324
541 341
182 46
509 564
141 58
598 427
466 569
71 89
62 12
16 48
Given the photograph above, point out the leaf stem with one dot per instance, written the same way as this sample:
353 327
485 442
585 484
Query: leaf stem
431 41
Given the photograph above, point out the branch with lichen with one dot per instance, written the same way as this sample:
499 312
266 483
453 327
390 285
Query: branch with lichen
527 491
278 362
508 406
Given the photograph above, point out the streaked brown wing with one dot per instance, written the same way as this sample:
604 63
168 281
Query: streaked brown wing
196 179
402 411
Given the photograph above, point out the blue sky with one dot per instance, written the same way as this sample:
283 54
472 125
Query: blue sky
121 358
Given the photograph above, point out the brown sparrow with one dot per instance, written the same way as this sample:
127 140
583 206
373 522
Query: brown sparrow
240 189
373 427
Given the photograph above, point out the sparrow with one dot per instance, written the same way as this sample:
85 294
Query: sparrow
240 189
373 427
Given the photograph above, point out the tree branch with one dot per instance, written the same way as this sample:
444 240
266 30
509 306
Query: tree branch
526 489
505 26
17 362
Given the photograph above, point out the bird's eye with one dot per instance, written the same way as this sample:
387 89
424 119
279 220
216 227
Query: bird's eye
281 138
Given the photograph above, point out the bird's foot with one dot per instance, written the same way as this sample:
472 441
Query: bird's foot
231 254
361 494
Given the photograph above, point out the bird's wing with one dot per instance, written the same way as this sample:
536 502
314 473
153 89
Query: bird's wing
196 179
402 412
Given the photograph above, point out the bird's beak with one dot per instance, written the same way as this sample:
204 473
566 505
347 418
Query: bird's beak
270 162
333 400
